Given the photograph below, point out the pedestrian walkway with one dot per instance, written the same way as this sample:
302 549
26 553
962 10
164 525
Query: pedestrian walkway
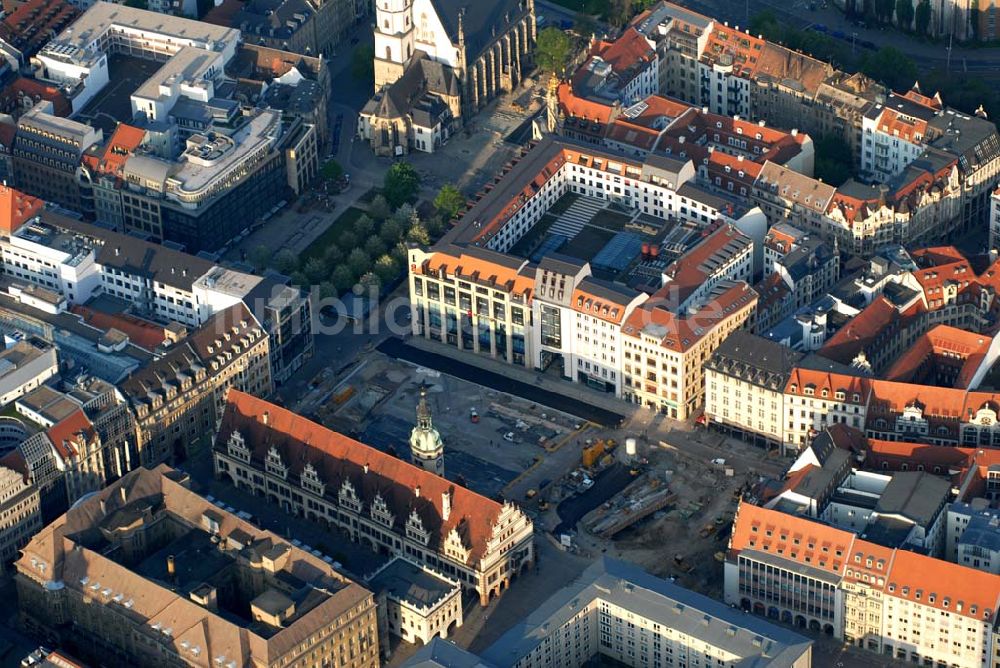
572 221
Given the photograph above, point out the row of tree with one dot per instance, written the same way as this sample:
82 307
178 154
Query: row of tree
907 17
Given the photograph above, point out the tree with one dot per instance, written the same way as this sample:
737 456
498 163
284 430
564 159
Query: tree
364 226
348 240
379 208
584 24
449 201
342 278
890 66
974 20
327 290
401 184
904 14
386 269
552 51
374 246
358 261
363 63
315 270
834 161
260 256
435 226
922 17
298 278
390 232
883 10
417 234
332 170
138 4
286 261
333 255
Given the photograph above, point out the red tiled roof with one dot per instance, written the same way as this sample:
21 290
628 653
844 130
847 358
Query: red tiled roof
16 208
140 332
33 23
861 331
800 379
21 87
627 52
942 345
899 573
338 458
577 107
122 144
789 537
65 434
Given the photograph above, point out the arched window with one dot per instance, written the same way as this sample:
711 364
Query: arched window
388 53
408 51
387 24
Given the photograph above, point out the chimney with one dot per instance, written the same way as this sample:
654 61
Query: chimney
122 493
417 491
366 467
171 567
446 499
265 418
104 508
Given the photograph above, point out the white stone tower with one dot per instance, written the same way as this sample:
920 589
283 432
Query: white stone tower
393 40
426 448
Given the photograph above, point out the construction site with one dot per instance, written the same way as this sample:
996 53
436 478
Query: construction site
661 495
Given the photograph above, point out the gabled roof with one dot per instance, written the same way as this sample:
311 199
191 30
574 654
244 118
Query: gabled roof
16 208
65 433
338 459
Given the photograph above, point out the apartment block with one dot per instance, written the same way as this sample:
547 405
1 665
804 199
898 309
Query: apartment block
20 508
149 572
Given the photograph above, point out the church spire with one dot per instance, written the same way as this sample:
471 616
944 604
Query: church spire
426 448
424 411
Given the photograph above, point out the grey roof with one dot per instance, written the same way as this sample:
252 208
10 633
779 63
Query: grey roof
915 495
443 654
405 581
561 264
983 529
754 359
757 642
888 532
481 21
818 483
974 140
608 291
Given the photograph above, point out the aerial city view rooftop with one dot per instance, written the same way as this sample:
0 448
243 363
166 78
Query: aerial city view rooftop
500 333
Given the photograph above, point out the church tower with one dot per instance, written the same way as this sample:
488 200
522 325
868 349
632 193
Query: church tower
393 40
426 448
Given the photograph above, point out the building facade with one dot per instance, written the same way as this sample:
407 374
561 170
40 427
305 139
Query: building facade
381 502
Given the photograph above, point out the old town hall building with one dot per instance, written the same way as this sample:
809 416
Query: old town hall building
438 62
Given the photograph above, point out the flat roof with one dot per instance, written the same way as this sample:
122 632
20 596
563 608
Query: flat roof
103 15
409 583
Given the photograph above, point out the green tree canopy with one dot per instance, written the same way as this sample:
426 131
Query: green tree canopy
347 241
260 257
342 278
890 66
331 170
922 17
358 261
286 261
364 226
386 268
390 232
363 63
552 50
904 14
417 234
379 208
315 270
834 161
401 184
374 246
449 201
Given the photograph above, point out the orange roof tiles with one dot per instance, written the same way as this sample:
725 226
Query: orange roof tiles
64 434
899 573
743 49
689 272
902 126
789 537
15 93
950 587
405 488
954 347
626 52
482 271
578 107
681 332
140 332
862 331
16 208
125 140
855 388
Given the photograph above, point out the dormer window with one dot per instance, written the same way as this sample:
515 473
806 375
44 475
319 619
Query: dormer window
415 529
310 480
238 448
348 498
380 511
274 465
